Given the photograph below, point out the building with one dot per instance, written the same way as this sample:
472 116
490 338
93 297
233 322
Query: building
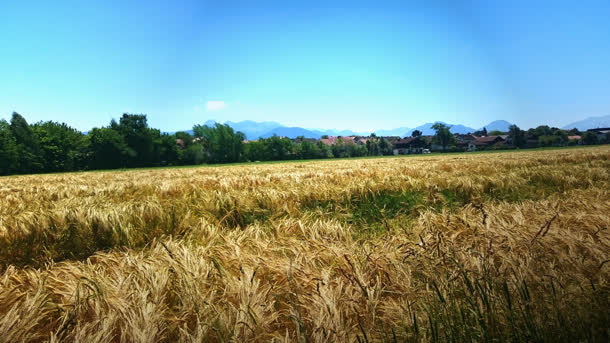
486 142
332 140
409 145
466 141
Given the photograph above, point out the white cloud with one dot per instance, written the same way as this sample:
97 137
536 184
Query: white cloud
215 105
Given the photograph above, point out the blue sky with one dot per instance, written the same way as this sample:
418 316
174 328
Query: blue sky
329 64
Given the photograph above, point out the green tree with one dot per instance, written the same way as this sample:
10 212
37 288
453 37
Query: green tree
9 155
166 150
542 130
186 138
220 143
372 147
277 148
549 140
28 146
416 133
306 150
385 146
138 137
323 150
62 148
590 138
517 136
192 154
107 149
562 136
574 132
443 136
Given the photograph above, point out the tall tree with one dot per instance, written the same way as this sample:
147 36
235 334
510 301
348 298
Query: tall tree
9 155
385 146
221 144
108 149
62 147
516 135
138 137
28 146
416 133
277 148
443 136
589 138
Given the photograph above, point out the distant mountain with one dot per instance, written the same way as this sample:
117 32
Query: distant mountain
590 123
461 129
291 132
427 129
401 132
498 125
252 129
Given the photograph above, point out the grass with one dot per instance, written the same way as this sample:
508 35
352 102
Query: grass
509 246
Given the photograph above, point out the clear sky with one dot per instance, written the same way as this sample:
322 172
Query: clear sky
329 64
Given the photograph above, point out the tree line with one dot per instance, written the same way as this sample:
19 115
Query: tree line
46 147
541 136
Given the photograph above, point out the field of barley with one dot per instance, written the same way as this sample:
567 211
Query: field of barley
458 247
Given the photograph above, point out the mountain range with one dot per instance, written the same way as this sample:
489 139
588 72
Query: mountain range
254 130
589 123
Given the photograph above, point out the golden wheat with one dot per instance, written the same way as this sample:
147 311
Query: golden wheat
508 246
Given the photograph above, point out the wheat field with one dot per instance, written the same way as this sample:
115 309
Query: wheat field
466 247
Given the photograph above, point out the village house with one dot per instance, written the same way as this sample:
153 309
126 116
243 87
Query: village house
332 140
409 145
575 138
465 141
485 142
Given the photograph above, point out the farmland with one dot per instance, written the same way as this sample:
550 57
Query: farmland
495 246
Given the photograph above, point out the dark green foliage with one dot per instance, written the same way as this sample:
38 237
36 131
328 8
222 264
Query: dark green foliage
108 149
443 136
517 136
343 148
220 143
140 139
9 154
61 147
28 147
590 138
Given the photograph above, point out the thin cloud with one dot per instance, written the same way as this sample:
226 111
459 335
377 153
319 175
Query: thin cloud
215 105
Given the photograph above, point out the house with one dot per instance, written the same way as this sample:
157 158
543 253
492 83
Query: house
575 138
466 141
332 140
408 145
329 141
362 140
391 139
465 138
303 139
485 142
